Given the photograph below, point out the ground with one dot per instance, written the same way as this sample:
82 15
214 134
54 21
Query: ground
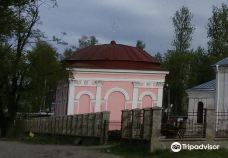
10 149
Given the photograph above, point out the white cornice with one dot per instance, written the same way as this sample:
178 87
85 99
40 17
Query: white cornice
116 79
116 71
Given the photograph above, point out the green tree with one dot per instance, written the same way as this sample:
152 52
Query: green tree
18 20
83 42
200 68
177 61
86 41
159 57
140 44
7 18
178 64
183 29
44 73
218 32
68 52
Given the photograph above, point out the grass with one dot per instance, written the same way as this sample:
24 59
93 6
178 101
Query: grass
132 152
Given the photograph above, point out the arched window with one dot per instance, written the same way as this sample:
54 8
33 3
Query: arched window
200 112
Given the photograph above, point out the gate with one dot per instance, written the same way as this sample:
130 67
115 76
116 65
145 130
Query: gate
188 126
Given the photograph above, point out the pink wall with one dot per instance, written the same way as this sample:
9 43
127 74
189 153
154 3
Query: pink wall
116 103
116 99
116 92
84 104
147 102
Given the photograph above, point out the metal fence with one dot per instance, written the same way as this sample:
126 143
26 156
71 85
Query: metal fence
221 124
192 125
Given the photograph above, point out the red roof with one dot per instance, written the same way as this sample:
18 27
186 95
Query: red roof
113 56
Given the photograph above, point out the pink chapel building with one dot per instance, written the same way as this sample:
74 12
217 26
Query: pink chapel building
110 77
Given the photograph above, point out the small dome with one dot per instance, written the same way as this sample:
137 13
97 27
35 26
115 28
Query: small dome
113 56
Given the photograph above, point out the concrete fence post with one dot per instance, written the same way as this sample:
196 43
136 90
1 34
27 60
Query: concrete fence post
136 123
53 124
97 124
85 124
147 123
57 119
156 128
69 124
105 127
64 124
210 123
126 124
74 124
91 123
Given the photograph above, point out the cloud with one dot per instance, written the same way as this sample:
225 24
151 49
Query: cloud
125 21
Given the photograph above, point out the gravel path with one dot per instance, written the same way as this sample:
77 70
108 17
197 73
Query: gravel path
10 149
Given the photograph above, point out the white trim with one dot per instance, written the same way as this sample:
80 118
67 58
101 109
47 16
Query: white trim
98 99
152 95
70 106
117 71
85 92
135 97
117 89
118 79
217 99
153 83
160 96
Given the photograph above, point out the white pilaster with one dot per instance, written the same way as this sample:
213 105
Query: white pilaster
160 96
70 106
98 96
135 95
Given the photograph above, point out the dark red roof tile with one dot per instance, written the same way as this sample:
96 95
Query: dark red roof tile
113 56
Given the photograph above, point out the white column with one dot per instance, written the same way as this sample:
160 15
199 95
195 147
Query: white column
135 95
70 106
98 96
160 96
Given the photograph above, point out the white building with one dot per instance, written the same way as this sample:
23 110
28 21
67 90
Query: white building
212 94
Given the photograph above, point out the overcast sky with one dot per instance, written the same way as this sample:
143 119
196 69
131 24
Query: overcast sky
125 21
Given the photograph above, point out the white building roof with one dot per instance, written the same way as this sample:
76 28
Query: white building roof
207 86
223 62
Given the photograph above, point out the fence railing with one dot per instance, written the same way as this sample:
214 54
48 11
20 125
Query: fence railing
83 125
191 125
221 124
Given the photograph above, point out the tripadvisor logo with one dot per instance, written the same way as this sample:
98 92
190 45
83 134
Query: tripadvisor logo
176 147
